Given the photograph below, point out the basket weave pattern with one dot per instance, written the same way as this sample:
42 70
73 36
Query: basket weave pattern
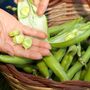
58 12
21 81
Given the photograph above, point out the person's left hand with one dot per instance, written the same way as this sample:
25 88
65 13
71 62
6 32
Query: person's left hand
40 4
39 47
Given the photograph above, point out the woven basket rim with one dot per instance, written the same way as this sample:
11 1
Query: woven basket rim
30 81
15 75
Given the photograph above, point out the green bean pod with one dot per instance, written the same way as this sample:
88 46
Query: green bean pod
70 24
79 50
68 58
79 64
27 14
77 76
66 62
59 54
87 75
43 69
54 65
72 37
83 72
14 59
27 68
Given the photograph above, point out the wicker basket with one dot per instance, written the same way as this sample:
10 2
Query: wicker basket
58 12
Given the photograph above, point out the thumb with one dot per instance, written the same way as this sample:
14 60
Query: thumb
16 1
42 6
36 2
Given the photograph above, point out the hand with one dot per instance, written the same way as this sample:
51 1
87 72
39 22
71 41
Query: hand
40 4
39 47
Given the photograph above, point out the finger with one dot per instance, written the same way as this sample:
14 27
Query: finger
15 1
32 32
40 43
19 51
42 51
42 7
36 2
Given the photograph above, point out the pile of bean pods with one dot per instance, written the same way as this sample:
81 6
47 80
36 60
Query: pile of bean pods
70 54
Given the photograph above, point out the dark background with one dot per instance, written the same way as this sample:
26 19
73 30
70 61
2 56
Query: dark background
4 3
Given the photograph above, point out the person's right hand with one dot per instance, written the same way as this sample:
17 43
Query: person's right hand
40 4
39 47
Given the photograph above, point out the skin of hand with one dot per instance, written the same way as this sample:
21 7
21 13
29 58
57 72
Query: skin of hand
9 23
40 4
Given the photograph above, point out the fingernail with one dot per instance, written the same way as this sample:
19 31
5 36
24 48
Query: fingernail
39 57
48 46
43 35
39 12
46 35
48 52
